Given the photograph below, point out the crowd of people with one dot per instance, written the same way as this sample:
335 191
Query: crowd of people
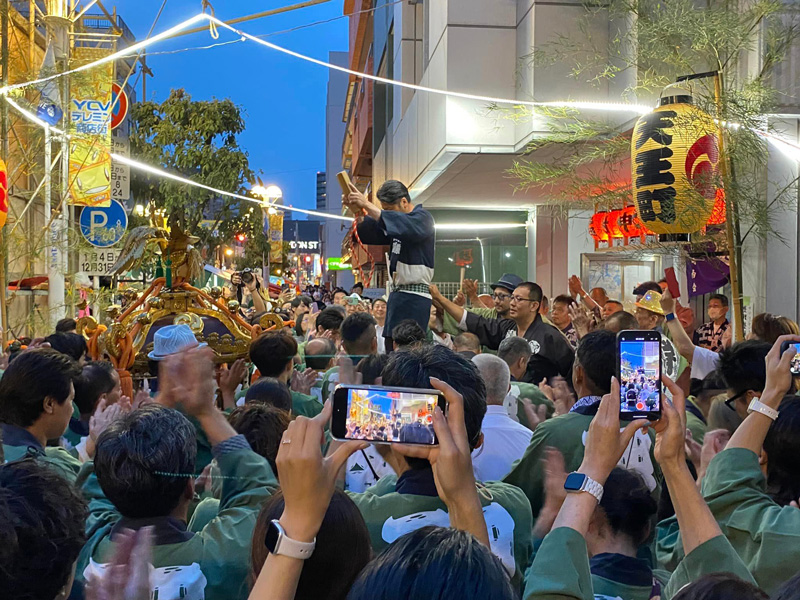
224 481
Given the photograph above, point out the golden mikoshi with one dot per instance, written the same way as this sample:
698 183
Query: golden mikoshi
674 162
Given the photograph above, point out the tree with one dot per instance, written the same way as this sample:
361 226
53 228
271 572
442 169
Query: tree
197 140
649 44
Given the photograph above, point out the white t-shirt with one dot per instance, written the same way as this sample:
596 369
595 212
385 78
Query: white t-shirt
504 441
704 361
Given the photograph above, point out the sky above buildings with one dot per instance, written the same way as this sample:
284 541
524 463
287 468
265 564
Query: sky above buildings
283 98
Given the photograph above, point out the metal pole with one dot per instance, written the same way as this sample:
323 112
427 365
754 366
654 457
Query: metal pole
55 295
4 142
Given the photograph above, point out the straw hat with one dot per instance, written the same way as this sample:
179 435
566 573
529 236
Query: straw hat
651 301
172 339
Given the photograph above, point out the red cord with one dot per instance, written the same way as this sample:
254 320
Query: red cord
368 280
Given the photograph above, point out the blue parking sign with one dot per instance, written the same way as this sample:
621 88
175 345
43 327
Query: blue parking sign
104 227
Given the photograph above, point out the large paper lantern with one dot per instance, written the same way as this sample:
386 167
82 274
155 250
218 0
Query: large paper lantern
612 224
3 194
674 161
597 227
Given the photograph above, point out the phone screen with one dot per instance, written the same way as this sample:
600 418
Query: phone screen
385 415
795 367
639 373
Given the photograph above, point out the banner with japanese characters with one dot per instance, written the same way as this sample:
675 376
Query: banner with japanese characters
90 128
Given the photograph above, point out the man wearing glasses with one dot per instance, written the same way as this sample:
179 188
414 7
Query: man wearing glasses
551 353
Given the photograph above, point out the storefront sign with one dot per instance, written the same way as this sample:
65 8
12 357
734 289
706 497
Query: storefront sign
336 264
304 246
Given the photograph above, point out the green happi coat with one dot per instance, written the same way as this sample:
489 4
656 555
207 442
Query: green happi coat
212 564
535 395
390 514
561 570
567 433
765 534
55 457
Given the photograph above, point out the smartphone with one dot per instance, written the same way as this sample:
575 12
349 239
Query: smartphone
672 283
795 368
385 415
639 374
344 182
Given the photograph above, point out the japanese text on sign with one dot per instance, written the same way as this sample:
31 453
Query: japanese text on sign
98 262
653 168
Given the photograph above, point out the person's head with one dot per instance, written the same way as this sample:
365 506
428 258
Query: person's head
599 295
358 288
330 319
648 286
768 327
319 354
71 344
611 307
502 290
36 392
144 463
394 196
263 426
338 296
379 310
300 306
414 367
353 304
595 363
271 392
516 351
544 307
407 333
717 307
781 448
496 376
272 354
720 586
301 325
744 372
467 342
434 562
98 381
649 313
559 314
620 321
371 368
67 325
343 548
623 517
358 335
525 302
42 525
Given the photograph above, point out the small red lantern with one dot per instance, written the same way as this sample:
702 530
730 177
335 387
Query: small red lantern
597 227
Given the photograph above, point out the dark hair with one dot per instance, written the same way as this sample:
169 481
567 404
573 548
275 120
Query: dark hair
343 548
782 446
564 299
768 327
597 354
392 192
407 333
71 344
298 326
721 297
358 331
647 286
32 377
143 461
628 505
357 284
720 586
263 426
96 379
272 351
544 301
42 525
67 325
379 300
322 359
271 392
534 290
371 367
513 348
742 366
434 562
612 301
620 321
414 367
330 319
298 300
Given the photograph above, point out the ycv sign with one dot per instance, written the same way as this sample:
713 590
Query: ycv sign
104 227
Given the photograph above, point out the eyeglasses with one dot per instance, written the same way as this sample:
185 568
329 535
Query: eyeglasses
518 299
729 402
501 297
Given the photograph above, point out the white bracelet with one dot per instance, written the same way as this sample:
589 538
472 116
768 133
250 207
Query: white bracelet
757 406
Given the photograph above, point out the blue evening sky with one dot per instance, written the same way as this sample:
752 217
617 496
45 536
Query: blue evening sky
283 98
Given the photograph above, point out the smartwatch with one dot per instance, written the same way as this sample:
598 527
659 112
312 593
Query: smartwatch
277 542
670 317
757 406
578 482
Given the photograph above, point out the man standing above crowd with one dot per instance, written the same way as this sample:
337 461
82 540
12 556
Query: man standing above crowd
551 353
559 315
711 335
409 230
379 313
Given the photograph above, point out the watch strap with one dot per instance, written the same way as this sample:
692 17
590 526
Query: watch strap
757 406
286 546
590 486
670 316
